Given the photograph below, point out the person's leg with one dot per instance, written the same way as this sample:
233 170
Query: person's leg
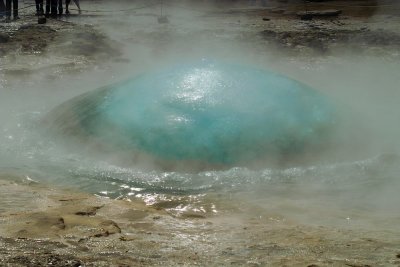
15 7
54 8
66 6
37 7
48 3
77 4
8 9
2 8
60 7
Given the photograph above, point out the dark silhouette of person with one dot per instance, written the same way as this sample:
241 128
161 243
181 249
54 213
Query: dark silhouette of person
52 6
67 2
59 5
39 7
48 7
11 4
2 8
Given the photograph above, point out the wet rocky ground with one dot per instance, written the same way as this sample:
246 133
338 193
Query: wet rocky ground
64 228
291 36
321 38
372 33
29 49
44 226
26 36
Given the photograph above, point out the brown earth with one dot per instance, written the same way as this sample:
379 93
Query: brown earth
63 228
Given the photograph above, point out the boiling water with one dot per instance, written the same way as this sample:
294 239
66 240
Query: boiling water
352 183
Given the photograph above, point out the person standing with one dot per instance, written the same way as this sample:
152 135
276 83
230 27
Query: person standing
52 6
48 7
11 4
39 7
2 8
59 5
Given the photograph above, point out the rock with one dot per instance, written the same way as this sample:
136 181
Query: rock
320 13
40 222
110 226
101 233
89 211
45 260
4 38
42 20
127 238
52 221
192 215
106 228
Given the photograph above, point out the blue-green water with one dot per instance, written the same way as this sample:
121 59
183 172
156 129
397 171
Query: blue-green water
353 182
208 111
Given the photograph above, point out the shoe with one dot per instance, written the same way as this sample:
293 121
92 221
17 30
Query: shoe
67 12
8 20
16 18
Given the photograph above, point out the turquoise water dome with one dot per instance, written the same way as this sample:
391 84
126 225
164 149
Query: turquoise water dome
209 112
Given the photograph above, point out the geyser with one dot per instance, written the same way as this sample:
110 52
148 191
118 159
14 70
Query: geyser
208 112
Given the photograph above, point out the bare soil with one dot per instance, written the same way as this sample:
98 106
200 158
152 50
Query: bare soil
65 228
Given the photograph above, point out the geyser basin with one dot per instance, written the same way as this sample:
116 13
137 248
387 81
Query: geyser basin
209 112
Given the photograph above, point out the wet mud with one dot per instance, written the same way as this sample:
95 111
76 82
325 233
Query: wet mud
67 228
